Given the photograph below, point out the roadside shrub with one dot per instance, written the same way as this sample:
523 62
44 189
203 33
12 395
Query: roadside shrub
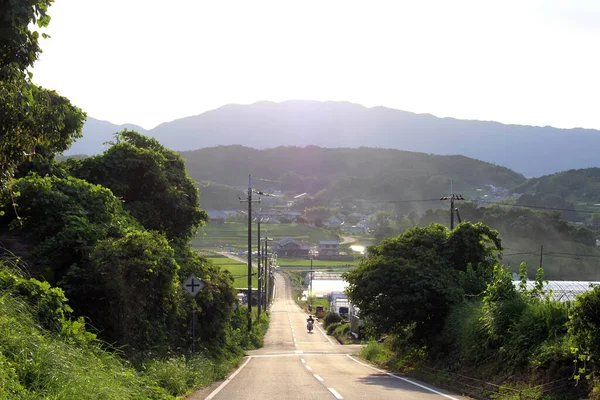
539 322
464 333
330 318
342 331
332 327
584 325
376 352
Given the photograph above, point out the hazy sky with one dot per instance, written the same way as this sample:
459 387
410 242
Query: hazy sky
150 61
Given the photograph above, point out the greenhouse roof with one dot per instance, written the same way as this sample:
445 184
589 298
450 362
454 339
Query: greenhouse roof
563 290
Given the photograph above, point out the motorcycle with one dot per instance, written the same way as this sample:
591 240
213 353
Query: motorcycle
309 326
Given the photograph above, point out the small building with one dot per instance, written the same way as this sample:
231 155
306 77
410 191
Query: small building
333 222
288 247
329 248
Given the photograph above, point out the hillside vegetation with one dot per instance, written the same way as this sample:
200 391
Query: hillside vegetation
364 173
574 189
570 252
447 311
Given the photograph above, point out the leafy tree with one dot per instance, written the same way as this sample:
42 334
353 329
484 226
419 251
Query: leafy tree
32 119
151 180
321 213
130 290
63 219
411 281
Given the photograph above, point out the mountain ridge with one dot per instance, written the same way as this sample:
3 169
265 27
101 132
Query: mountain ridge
530 150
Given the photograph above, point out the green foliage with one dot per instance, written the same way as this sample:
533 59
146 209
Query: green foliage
130 290
49 303
332 327
568 253
319 213
178 374
64 218
415 278
584 325
375 352
213 305
20 45
576 185
35 363
33 120
513 327
331 318
344 173
151 180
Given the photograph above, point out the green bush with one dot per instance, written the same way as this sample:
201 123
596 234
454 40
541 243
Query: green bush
342 331
375 352
330 318
539 322
332 327
464 333
584 325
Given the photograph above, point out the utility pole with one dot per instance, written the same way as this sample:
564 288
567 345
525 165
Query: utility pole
258 260
541 255
311 283
453 197
266 273
249 200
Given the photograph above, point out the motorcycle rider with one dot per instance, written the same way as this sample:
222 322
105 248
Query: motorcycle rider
309 322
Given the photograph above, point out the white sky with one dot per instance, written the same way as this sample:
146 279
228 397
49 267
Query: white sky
150 61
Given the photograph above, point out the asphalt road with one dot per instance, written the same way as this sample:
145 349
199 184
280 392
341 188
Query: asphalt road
295 364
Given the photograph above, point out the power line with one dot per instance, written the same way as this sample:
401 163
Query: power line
536 207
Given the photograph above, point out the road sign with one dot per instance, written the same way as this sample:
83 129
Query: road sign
193 285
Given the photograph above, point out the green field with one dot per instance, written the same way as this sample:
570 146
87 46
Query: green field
303 264
238 270
235 234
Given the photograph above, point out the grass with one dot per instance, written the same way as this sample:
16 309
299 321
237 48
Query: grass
235 234
238 270
303 264
37 364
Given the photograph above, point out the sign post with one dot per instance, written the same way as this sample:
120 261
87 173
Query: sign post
193 286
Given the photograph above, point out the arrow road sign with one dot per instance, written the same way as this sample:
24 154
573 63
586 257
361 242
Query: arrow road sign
193 285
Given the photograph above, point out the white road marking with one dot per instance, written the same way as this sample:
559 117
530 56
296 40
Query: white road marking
303 360
318 378
229 378
299 351
308 367
324 334
402 379
335 393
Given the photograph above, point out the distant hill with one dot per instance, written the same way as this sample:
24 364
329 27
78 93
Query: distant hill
344 173
532 151
95 133
574 189
576 185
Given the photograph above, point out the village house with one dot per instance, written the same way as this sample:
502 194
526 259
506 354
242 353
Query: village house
288 247
329 248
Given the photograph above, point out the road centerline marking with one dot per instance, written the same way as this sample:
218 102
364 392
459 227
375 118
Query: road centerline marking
318 377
